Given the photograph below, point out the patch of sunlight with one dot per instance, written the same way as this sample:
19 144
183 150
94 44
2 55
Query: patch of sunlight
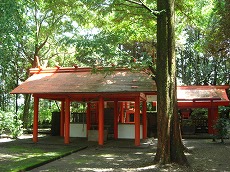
214 169
150 153
4 140
30 136
27 136
107 155
120 160
25 156
109 158
138 153
191 147
51 154
38 76
95 169
186 153
6 156
81 161
151 167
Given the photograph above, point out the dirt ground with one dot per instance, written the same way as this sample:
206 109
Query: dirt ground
122 155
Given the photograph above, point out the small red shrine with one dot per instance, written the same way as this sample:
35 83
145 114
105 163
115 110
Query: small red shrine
81 85
126 89
209 97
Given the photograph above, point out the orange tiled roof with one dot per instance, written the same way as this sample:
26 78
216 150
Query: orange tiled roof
202 96
82 80
202 92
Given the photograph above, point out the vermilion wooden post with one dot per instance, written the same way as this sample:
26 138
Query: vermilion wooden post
137 121
115 119
88 118
122 112
67 120
210 131
144 119
35 122
215 118
119 112
212 118
101 121
62 119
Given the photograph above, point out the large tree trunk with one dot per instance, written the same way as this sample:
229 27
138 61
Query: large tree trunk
170 147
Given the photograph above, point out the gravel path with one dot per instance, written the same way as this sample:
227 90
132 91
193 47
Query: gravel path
122 155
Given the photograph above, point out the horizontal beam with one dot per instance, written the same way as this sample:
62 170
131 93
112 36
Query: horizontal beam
206 104
93 96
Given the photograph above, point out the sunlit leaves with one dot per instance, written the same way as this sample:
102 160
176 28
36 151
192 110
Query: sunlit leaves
204 43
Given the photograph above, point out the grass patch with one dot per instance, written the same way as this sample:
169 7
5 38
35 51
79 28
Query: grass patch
23 157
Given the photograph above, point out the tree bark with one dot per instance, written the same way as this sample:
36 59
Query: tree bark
25 117
170 147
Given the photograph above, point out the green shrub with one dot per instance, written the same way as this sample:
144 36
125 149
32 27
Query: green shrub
199 113
222 127
10 123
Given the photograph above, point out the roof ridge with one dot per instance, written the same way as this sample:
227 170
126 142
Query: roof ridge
59 69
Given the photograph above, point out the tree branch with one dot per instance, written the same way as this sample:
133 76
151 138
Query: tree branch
134 2
42 44
141 3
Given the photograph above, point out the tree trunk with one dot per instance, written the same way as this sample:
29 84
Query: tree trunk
25 117
170 147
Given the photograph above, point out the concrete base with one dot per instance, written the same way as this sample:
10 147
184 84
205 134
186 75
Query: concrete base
93 135
78 130
127 131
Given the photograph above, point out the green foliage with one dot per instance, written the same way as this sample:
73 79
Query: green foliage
203 48
188 122
199 113
46 108
222 126
10 122
78 107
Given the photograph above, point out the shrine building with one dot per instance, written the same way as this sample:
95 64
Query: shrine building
126 92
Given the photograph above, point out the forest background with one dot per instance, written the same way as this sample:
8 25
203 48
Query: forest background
106 33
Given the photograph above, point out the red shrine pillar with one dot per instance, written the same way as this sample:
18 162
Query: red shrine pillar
101 121
122 112
67 121
212 118
88 119
62 119
137 121
115 119
144 119
35 122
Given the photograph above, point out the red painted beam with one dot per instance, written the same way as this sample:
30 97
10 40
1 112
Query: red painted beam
204 104
89 96
204 87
